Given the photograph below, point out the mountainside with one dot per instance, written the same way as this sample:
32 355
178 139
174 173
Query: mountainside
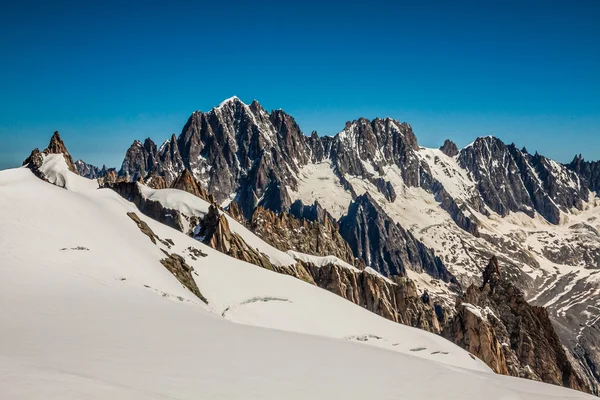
135 309
537 216
395 228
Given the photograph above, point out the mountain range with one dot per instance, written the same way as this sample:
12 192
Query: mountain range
490 247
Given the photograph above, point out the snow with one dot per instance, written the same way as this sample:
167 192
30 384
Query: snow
188 204
229 100
320 261
112 322
56 171
319 182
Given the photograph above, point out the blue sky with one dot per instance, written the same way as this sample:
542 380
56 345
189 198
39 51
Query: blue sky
105 74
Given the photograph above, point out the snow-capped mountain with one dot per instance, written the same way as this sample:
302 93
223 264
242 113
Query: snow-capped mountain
102 301
537 216
402 231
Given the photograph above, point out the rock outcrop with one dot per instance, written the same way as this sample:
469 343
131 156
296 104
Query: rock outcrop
214 231
183 272
188 183
512 180
587 171
285 232
173 262
449 148
396 299
56 146
496 316
153 209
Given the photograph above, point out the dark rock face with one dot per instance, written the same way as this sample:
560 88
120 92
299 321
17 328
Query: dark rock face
449 148
449 204
497 312
588 172
34 162
140 159
174 262
313 212
155 181
92 172
386 246
242 151
509 179
214 231
87 170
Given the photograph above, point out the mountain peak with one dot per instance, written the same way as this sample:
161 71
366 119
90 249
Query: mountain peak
57 146
231 100
449 148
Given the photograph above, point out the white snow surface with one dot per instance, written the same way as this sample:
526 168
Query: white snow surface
87 311
321 261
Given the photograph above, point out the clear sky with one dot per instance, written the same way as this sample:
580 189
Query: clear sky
107 73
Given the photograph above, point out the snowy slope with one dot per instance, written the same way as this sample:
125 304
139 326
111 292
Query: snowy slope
190 205
87 311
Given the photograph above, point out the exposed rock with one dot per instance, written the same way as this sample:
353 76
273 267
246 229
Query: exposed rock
449 148
235 212
183 272
587 171
155 181
313 212
153 209
449 204
34 162
188 183
56 146
285 232
110 178
214 231
146 230
510 180
87 170
396 300
386 246
496 315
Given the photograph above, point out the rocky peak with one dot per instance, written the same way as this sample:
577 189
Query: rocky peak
510 180
449 148
497 324
188 183
587 171
314 212
57 146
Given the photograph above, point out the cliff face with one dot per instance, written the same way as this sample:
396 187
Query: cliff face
286 232
186 182
496 323
386 246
